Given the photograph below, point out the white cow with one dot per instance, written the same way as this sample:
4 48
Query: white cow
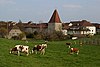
20 48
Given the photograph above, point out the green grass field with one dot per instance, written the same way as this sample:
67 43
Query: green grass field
56 55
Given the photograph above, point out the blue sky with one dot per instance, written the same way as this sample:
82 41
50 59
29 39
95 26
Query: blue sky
41 10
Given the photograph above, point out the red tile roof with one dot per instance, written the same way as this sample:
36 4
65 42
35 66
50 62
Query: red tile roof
81 23
55 17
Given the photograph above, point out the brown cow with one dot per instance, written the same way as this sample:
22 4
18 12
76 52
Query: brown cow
74 50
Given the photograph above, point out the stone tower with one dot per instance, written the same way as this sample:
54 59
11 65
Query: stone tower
54 23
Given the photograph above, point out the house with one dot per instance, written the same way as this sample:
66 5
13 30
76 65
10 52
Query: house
81 27
97 25
15 32
33 27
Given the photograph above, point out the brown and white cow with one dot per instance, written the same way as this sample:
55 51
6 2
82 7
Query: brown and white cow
74 50
20 48
39 48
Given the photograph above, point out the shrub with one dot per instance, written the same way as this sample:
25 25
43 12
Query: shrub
3 32
56 35
29 35
21 36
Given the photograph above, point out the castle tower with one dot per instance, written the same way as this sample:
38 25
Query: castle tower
54 23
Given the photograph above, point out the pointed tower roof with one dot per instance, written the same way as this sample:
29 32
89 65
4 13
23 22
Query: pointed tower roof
55 17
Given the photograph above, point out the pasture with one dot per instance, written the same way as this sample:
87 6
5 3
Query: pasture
57 55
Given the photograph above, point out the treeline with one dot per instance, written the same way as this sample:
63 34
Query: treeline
56 35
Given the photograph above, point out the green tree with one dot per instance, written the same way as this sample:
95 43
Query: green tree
3 32
21 36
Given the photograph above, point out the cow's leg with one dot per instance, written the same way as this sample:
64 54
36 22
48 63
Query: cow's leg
27 53
71 52
10 52
77 52
35 51
18 53
43 52
69 46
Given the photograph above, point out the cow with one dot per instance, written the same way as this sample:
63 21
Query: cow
74 50
20 48
39 48
68 44
36 48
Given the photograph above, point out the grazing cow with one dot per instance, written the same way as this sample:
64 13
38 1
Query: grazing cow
68 44
36 48
40 48
20 48
74 50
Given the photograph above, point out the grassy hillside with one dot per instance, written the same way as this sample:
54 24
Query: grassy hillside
56 55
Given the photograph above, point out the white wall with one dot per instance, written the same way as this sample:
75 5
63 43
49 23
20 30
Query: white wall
92 29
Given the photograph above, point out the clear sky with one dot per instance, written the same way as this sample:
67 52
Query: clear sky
36 10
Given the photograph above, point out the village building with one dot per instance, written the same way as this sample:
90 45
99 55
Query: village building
81 28
97 25
55 23
15 32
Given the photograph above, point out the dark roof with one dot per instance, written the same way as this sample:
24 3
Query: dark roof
33 25
97 25
81 23
55 17
65 25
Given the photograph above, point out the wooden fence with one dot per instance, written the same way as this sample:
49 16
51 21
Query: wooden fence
90 42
